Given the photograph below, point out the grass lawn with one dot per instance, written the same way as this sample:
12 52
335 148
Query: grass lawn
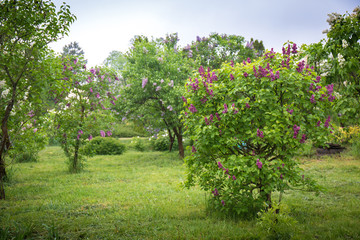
139 196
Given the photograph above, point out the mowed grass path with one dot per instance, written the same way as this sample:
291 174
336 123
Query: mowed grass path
139 196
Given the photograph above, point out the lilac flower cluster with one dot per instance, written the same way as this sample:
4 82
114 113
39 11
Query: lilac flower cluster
327 122
296 130
266 72
225 108
144 82
270 54
259 164
192 108
301 66
303 138
259 133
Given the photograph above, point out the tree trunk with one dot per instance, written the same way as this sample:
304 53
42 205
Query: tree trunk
179 137
172 139
2 177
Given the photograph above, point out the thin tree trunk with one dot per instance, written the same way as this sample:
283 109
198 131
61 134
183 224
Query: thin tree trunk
179 137
172 139
2 177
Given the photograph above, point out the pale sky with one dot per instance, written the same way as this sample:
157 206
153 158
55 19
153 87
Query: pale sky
107 25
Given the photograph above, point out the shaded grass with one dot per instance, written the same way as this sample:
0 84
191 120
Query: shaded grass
139 196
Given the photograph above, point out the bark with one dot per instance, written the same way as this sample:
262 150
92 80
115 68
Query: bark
179 137
2 177
172 139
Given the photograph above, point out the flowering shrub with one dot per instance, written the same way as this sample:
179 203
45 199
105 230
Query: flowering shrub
104 146
247 121
77 110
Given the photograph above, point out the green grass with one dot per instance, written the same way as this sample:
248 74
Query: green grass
139 196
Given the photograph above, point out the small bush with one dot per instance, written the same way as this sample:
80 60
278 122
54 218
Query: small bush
277 225
26 157
138 144
161 143
104 146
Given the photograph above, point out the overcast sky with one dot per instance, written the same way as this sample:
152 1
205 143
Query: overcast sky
106 25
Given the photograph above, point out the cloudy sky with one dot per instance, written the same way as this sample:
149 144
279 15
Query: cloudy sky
106 25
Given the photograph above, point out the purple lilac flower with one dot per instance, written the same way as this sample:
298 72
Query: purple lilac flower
218 116
317 79
206 121
326 124
144 82
90 137
35 130
231 77
171 84
290 111
184 99
158 88
248 60
91 90
211 118
220 165
245 74
247 105
260 134
80 132
312 99
78 137
193 149
192 108
232 63
75 61
303 138
222 202
318 123
102 133
296 130
170 108
234 178
215 192
259 164
294 48
301 66
109 133
225 108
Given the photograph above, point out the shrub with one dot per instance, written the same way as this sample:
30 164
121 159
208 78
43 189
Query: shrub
248 121
28 144
138 144
104 146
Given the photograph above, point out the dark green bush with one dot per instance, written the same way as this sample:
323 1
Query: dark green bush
104 146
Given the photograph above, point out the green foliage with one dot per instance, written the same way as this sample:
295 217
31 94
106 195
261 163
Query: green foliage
138 144
28 69
276 223
337 58
104 146
248 121
155 72
82 110
160 143
29 142
212 51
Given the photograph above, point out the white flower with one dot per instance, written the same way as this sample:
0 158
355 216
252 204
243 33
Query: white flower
2 83
344 43
5 93
341 59
171 84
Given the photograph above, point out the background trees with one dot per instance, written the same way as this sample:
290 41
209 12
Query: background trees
337 58
26 29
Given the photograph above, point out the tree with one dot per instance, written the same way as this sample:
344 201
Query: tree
338 59
116 60
26 68
247 122
155 72
76 112
216 49
73 49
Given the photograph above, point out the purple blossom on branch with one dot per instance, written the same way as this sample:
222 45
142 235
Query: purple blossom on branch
259 164
102 133
144 82
260 134
192 108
